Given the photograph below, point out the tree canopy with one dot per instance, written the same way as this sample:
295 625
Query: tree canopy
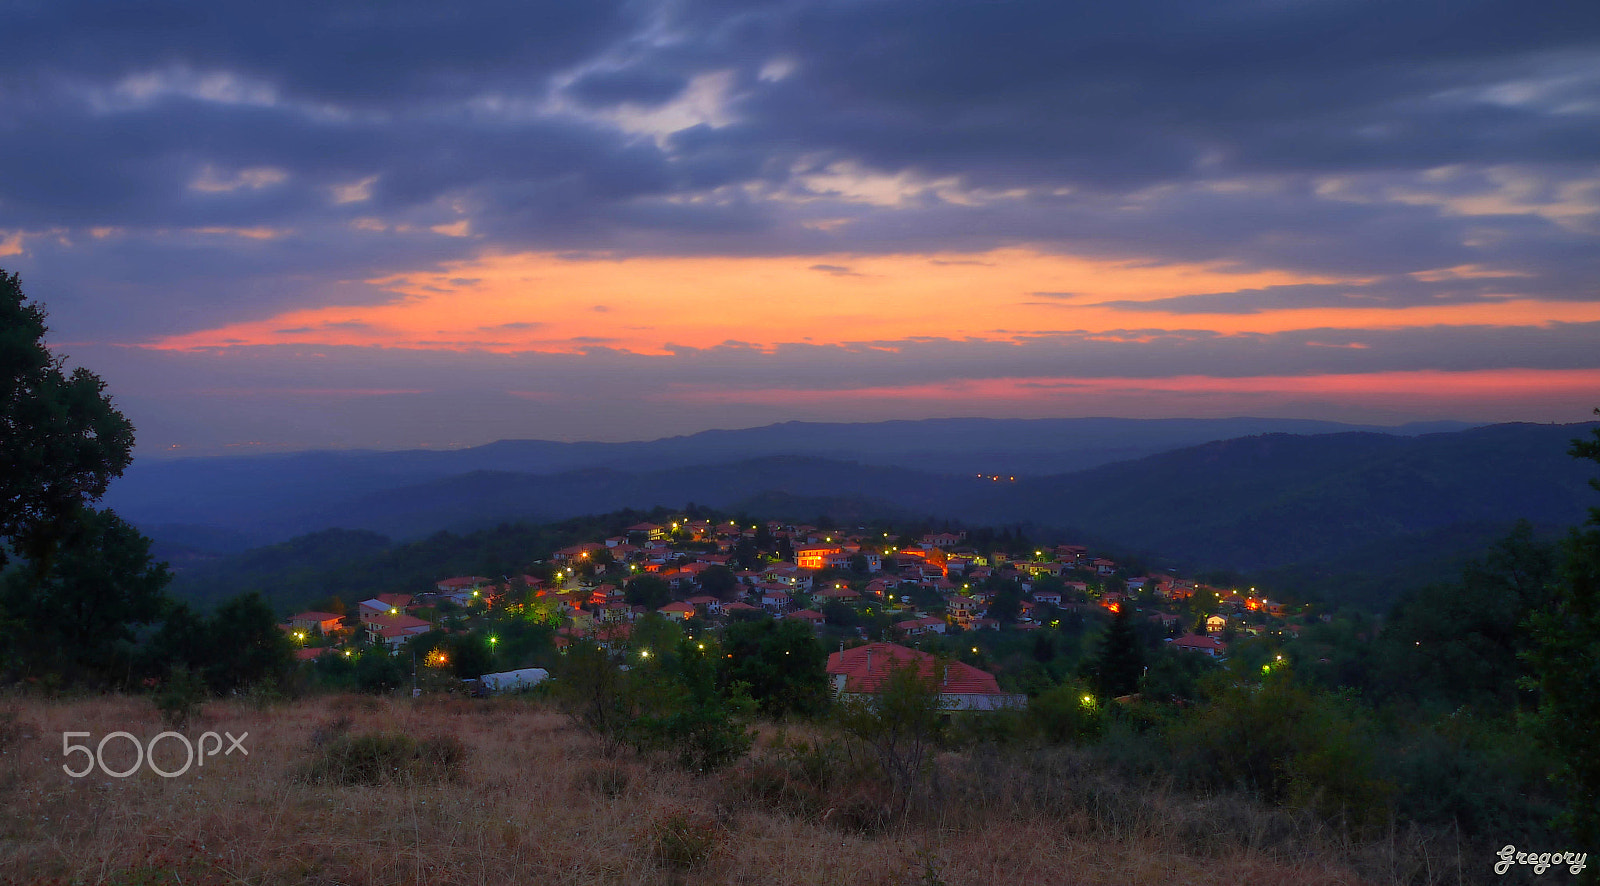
61 439
1565 661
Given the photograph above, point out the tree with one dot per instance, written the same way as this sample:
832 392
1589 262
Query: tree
1459 643
1120 663
377 671
719 582
648 590
1565 661
681 709
1007 603
471 656
61 440
247 647
901 723
747 553
838 612
780 661
77 619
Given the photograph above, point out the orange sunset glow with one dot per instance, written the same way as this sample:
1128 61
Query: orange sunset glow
555 304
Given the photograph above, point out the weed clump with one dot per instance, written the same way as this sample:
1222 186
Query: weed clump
682 840
377 757
606 779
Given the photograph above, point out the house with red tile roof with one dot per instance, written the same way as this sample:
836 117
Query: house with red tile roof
774 601
837 593
380 607
578 552
809 616
916 627
679 611
608 636
395 629
1196 643
960 609
864 670
705 603
649 530
814 556
326 622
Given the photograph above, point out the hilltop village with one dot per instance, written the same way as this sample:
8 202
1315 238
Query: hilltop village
850 586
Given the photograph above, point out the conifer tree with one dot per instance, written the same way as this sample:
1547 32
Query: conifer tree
1120 664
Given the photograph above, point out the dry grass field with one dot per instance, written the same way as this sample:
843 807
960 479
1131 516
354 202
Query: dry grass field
534 801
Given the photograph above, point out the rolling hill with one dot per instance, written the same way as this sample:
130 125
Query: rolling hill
264 499
1350 508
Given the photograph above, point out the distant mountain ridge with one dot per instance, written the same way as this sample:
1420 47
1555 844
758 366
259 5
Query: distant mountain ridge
1262 502
1276 499
1353 517
265 496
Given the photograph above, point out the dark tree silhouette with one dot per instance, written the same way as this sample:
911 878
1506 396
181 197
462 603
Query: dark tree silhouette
61 440
1120 663
1566 664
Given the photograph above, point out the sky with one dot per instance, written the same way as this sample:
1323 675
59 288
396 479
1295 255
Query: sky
334 224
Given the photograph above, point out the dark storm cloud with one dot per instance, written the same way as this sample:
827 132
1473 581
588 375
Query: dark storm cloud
639 87
1109 94
360 54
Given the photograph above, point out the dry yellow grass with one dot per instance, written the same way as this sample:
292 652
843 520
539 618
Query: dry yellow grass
528 810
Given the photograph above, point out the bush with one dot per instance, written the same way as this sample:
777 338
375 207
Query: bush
682 711
179 698
814 781
1067 714
1000 727
376 757
682 840
606 779
1290 746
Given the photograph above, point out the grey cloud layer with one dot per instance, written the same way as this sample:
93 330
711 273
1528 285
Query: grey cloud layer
1308 137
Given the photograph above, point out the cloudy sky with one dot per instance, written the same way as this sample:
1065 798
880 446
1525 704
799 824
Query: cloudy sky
399 224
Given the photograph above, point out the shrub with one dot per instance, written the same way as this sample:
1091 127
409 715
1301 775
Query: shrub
814 781
682 711
606 779
179 698
1001 727
377 757
900 724
1289 745
683 840
1067 714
